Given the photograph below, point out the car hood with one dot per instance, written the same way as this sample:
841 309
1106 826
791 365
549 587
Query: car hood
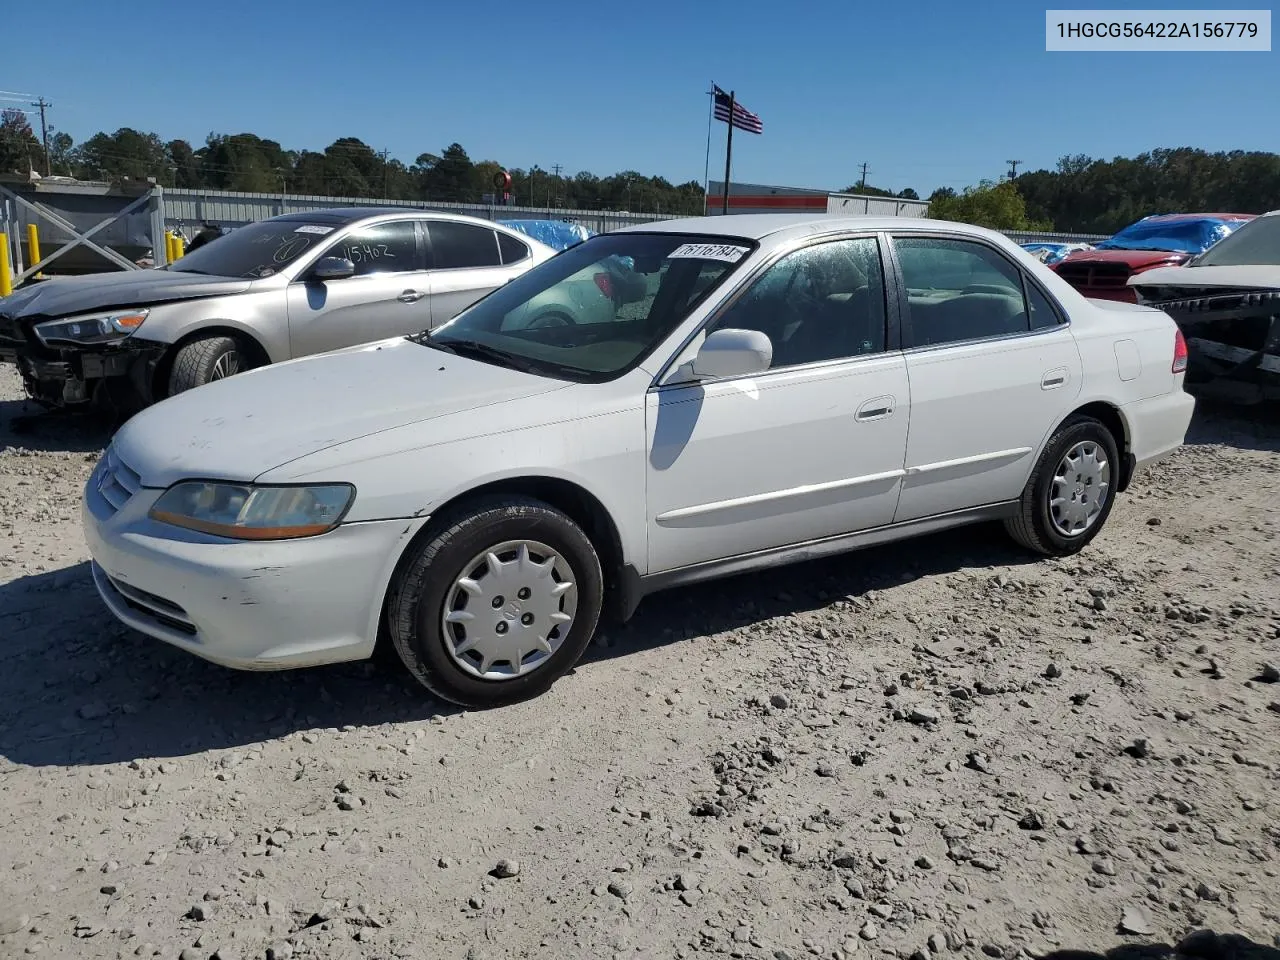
1131 258
242 427
67 296
1253 276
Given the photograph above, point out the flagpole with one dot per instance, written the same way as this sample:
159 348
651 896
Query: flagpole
706 170
728 152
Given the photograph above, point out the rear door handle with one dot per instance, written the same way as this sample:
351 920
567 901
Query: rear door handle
1054 379
877 409
410 296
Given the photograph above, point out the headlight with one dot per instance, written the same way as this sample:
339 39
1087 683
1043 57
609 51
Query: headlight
247 512
93 328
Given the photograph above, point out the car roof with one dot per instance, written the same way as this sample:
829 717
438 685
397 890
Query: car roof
343 216
1170 217
758 226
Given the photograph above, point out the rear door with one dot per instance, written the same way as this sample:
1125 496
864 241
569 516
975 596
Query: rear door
993 366
387 297
468 261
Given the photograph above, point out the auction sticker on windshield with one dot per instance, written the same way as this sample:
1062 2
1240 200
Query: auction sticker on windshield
708 251
314 228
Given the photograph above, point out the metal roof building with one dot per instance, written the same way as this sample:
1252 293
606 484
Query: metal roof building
768 198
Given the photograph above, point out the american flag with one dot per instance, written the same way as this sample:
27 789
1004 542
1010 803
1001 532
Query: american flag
743 118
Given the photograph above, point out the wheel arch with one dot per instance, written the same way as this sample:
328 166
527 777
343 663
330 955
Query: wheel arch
621 581
1111 417
258 354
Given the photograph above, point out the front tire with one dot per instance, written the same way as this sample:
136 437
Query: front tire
205 360
498 604
1070 492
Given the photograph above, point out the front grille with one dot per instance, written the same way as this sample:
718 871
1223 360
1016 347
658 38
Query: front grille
117 481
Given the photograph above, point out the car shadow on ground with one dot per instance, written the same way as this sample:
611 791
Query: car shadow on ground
1200 945
79 689
26 424
1254 427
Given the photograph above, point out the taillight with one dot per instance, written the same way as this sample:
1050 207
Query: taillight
605 283
1179 352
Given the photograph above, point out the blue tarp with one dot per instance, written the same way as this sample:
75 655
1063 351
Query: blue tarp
557 234
1049 252
1184 234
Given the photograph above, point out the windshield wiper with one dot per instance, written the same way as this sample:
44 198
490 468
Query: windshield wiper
483 351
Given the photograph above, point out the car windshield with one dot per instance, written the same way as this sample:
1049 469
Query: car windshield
1257 243
254 251
597 309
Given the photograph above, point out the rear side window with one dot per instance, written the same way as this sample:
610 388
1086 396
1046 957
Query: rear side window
513 250
455 245
1042 313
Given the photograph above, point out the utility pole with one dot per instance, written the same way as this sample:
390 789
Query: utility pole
386 172
863 183
44 130
556 168
1013 168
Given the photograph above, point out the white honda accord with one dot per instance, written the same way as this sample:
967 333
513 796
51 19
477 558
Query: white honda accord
479 496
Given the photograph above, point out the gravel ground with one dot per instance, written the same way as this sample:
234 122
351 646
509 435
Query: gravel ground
941 748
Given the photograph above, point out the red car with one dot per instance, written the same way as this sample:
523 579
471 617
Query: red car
1167 240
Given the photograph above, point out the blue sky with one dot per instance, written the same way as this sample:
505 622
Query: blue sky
926 93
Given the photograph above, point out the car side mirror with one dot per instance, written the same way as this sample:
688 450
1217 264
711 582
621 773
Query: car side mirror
333 268
733 353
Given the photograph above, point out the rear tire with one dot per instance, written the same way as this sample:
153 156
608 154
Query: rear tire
1071 491
205 360
467 596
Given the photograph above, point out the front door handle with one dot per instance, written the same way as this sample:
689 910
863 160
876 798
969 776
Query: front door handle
410 296
877 409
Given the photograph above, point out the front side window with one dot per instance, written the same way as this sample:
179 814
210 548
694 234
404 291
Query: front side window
823 302
255 250
595 310
959 290
455 244
390 247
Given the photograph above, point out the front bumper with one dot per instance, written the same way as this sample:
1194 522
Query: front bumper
121 374
246 605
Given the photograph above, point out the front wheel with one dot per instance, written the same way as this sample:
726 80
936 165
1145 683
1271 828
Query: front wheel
498 604
1071 490
205 360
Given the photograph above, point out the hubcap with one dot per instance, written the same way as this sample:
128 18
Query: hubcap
1080 488
227 365
509 610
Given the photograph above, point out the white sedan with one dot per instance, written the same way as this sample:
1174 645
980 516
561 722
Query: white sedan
480 496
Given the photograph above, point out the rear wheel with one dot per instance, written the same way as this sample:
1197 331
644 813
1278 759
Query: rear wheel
498 604
1071 490
205 360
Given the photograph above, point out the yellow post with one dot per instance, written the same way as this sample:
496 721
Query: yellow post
179 247
33 247
6 272
168 247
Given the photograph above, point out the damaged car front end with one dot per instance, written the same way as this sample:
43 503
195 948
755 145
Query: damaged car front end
1227 304
92 359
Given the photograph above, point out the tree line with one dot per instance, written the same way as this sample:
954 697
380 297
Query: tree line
1081 194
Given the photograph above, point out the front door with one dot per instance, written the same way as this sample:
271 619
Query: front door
993 369
811 448
388 296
